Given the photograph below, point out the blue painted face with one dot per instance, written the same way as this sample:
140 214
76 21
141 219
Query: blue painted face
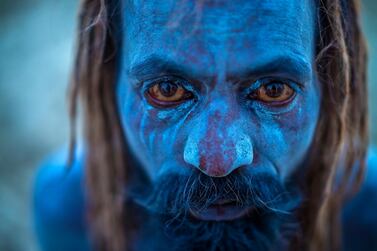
218 87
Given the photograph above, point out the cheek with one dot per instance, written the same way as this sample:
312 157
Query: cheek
287 138
152 135
298 131
135 125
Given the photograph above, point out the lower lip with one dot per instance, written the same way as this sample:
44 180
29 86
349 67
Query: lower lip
225 212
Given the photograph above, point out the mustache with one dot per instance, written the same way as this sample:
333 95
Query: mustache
176 194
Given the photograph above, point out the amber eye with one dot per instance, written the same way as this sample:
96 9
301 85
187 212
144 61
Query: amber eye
167 93
275 92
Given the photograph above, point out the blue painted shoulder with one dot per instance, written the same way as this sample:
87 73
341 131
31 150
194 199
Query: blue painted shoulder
59 205
360 214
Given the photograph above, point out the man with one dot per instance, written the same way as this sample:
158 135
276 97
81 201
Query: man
213 125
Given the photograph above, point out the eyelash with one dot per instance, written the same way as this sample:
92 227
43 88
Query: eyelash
151 82
268 80
296 87
255 86
178 81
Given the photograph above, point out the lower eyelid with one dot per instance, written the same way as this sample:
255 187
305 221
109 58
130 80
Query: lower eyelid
277 108
161 104
283 102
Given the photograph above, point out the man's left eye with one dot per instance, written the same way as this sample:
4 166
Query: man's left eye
167 93
273 93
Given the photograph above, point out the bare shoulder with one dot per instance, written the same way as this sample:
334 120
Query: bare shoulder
360 214
59 204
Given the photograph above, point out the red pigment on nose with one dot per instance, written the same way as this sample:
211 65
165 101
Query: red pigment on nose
217 152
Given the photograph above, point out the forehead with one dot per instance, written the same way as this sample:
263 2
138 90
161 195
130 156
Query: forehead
210 35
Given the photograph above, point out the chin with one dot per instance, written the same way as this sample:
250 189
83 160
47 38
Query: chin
237 212
253 231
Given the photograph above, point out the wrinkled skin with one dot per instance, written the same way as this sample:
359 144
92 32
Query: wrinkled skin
221 55
219 52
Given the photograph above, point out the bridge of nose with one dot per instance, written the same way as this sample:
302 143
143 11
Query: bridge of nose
217 145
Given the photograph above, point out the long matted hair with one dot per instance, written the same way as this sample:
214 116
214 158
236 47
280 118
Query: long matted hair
341 130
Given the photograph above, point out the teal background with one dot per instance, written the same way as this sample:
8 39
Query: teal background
36 55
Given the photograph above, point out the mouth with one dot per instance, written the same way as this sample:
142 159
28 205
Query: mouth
221 210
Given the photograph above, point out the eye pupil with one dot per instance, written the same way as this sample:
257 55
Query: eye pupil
274 90
167 89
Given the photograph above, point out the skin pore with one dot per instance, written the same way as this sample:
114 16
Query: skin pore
215 92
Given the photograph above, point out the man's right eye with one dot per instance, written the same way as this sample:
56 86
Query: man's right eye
167 93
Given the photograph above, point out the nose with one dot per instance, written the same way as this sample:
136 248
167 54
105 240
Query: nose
217 149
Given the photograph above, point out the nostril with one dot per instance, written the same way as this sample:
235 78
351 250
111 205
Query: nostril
239 169
213 169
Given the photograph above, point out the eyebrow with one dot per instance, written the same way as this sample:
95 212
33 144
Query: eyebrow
295 67
156 65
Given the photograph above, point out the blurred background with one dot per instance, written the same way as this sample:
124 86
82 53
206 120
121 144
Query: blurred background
36 55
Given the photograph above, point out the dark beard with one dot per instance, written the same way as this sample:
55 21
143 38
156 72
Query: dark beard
270 222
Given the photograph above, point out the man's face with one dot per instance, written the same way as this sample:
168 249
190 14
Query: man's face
218 88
